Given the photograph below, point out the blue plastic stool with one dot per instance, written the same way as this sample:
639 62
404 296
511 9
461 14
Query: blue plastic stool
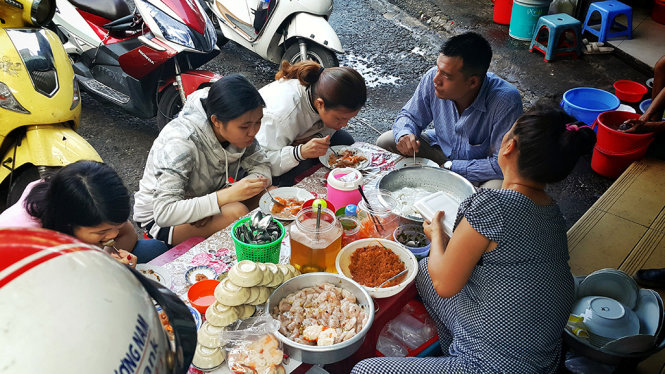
608 11
550 36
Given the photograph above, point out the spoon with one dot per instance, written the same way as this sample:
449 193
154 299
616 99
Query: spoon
255 218
272 198
392 278
111 244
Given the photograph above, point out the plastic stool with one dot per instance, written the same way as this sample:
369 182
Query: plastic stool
608 11
550 36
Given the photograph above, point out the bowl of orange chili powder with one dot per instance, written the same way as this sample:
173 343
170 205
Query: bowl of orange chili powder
372 261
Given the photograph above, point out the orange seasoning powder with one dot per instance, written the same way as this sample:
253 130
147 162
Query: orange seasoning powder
372 265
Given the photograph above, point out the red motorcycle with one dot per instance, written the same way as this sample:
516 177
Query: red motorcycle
143 60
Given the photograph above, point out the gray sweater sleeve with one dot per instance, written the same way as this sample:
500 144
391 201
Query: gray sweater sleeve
173 166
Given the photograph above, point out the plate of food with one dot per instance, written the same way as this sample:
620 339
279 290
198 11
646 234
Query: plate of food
155 273
346 157
417 162
292 199
167 325
200 273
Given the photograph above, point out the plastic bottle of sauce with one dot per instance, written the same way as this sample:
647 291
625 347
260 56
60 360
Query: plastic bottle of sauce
350 225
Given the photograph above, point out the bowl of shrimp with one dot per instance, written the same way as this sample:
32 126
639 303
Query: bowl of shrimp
324 317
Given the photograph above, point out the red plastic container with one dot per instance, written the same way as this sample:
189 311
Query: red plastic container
658 11
617 142
202 294
502 11
629 91
610 164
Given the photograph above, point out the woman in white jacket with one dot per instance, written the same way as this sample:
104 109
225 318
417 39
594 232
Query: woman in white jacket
306 108
204 164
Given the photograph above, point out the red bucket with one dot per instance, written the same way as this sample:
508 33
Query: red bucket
611 165
502 11
608 138
658 11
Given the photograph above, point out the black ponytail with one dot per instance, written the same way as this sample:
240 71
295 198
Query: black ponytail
230 97
550 142
82 194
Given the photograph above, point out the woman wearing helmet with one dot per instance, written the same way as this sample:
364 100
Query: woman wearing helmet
88 201
205 164
306 108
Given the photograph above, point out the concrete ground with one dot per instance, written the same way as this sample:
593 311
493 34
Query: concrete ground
537 80
392 43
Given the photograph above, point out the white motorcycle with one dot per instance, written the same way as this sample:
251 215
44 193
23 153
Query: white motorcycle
276 30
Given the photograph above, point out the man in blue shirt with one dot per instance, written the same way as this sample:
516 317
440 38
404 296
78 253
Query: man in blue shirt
470 109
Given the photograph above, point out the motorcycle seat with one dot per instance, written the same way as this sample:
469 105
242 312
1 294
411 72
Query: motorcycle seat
109 9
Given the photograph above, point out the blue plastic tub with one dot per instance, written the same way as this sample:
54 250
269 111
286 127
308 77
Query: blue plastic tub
586 103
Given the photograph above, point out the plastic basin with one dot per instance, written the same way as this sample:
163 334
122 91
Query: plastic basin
629 91
611 140
586 103
644 105
610 164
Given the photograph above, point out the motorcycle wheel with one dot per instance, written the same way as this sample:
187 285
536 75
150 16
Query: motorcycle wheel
168 107
20 182
315 52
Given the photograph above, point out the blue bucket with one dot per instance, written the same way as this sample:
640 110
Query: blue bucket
524 17
585 103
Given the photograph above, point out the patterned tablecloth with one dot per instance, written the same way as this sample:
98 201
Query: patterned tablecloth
218 250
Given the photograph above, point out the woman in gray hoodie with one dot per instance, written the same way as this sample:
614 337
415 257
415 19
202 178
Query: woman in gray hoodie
204 164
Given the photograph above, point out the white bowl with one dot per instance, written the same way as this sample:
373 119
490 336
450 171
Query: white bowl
611 283
344 258
648 311
607 317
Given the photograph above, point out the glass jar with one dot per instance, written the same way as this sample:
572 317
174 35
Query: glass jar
315 249
377 220
351 227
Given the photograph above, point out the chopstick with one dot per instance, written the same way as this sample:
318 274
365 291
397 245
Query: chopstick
375 220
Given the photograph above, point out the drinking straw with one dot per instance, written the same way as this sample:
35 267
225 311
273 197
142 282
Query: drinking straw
318 221
375 220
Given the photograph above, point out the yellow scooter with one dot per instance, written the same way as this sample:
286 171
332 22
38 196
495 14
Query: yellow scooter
40 102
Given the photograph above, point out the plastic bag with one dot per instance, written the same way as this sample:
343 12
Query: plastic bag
252 346
410 331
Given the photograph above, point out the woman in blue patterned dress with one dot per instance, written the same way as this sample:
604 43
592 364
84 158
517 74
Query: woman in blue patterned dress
500 289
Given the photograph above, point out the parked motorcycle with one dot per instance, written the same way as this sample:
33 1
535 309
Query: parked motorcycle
292 30
142 61
40 103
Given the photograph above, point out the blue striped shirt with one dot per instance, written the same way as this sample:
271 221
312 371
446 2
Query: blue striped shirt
471 140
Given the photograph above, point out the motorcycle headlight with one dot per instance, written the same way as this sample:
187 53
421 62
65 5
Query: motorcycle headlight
76 98
9 102
173 31
42 12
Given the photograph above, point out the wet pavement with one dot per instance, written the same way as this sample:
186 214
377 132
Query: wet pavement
392 44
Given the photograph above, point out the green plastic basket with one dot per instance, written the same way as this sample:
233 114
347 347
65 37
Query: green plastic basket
257 252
